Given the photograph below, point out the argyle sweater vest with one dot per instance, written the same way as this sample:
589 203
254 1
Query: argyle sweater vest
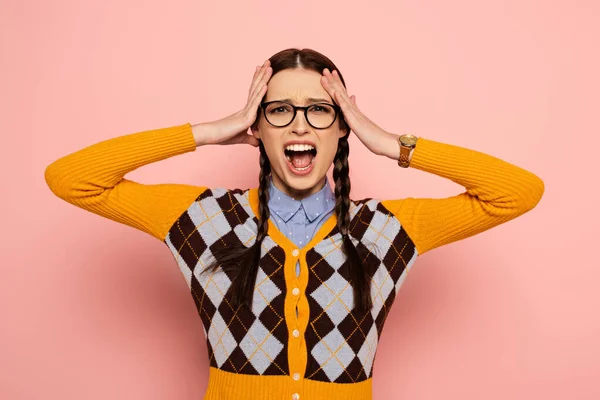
302 329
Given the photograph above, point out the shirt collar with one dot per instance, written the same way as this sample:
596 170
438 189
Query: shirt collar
314 205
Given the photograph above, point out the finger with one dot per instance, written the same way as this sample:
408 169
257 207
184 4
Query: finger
328 87
336 76
336 86
255 102
257 78
263 77
253 79
338 82
343 102
260 89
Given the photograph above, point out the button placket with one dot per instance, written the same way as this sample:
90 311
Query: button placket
295 335
296 290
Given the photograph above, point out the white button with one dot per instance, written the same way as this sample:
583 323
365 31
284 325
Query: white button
296 333
295 291
295 252
296 376
295 396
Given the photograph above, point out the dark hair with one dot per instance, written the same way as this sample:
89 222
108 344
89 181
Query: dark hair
243 261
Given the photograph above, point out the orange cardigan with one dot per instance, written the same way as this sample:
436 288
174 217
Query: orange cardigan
301 339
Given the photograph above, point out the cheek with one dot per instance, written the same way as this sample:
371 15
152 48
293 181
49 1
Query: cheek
271 144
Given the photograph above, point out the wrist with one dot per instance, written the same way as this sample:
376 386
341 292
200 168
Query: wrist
389 146
406 145
203 133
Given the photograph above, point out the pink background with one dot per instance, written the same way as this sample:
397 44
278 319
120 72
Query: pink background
91 309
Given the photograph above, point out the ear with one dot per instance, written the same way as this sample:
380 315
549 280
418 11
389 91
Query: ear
343 131
255 131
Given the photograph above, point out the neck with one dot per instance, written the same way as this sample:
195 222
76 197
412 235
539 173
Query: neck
295 193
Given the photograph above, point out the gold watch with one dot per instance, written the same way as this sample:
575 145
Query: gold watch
407 143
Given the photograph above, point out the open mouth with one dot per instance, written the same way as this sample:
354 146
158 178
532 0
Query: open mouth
301 157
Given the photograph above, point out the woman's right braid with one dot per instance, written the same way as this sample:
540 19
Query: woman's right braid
243 285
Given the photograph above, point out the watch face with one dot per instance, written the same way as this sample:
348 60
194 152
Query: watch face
408 140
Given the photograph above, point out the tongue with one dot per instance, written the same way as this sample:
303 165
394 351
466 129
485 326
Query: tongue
301 159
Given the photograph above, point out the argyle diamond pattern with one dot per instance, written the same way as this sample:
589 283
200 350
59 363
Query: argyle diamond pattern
341 342
248 340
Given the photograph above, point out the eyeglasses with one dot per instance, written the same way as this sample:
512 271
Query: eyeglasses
319 115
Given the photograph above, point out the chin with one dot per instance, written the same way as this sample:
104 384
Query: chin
303 181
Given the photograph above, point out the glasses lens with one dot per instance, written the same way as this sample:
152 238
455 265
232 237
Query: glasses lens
279 114
321 115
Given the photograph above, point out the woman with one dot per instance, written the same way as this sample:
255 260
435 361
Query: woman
293 281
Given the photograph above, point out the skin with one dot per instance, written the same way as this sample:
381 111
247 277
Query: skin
298 85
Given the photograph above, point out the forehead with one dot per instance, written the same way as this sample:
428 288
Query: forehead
297 85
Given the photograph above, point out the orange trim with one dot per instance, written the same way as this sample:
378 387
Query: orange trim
223 385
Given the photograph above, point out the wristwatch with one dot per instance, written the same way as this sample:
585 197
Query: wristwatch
407 144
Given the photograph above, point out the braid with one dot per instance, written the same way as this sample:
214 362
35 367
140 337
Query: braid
242 287
358 274
243 262
263 194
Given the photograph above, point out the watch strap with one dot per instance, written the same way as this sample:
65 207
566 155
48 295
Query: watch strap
404 160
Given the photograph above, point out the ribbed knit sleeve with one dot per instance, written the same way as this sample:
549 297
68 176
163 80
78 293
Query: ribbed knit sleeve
93 179
496 192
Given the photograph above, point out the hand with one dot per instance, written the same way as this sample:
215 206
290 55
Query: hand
370 134
233 129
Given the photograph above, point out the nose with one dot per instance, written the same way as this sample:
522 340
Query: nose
300 125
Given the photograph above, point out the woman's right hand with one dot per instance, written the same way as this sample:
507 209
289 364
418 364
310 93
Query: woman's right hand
233 129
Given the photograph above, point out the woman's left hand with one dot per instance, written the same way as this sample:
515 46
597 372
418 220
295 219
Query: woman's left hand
369 133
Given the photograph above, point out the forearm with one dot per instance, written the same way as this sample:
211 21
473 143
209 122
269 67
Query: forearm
103 165
93 179
390 148
203 134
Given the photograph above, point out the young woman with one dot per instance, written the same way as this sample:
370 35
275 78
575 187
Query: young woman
293 280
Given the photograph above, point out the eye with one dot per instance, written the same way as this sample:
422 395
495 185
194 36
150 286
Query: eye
279 108
321 108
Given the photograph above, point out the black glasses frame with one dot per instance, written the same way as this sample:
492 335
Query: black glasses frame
264 105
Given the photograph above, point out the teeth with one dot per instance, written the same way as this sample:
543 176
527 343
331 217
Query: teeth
299 147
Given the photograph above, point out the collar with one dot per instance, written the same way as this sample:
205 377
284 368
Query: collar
314 205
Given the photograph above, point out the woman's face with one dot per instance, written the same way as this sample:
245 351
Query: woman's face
296 171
